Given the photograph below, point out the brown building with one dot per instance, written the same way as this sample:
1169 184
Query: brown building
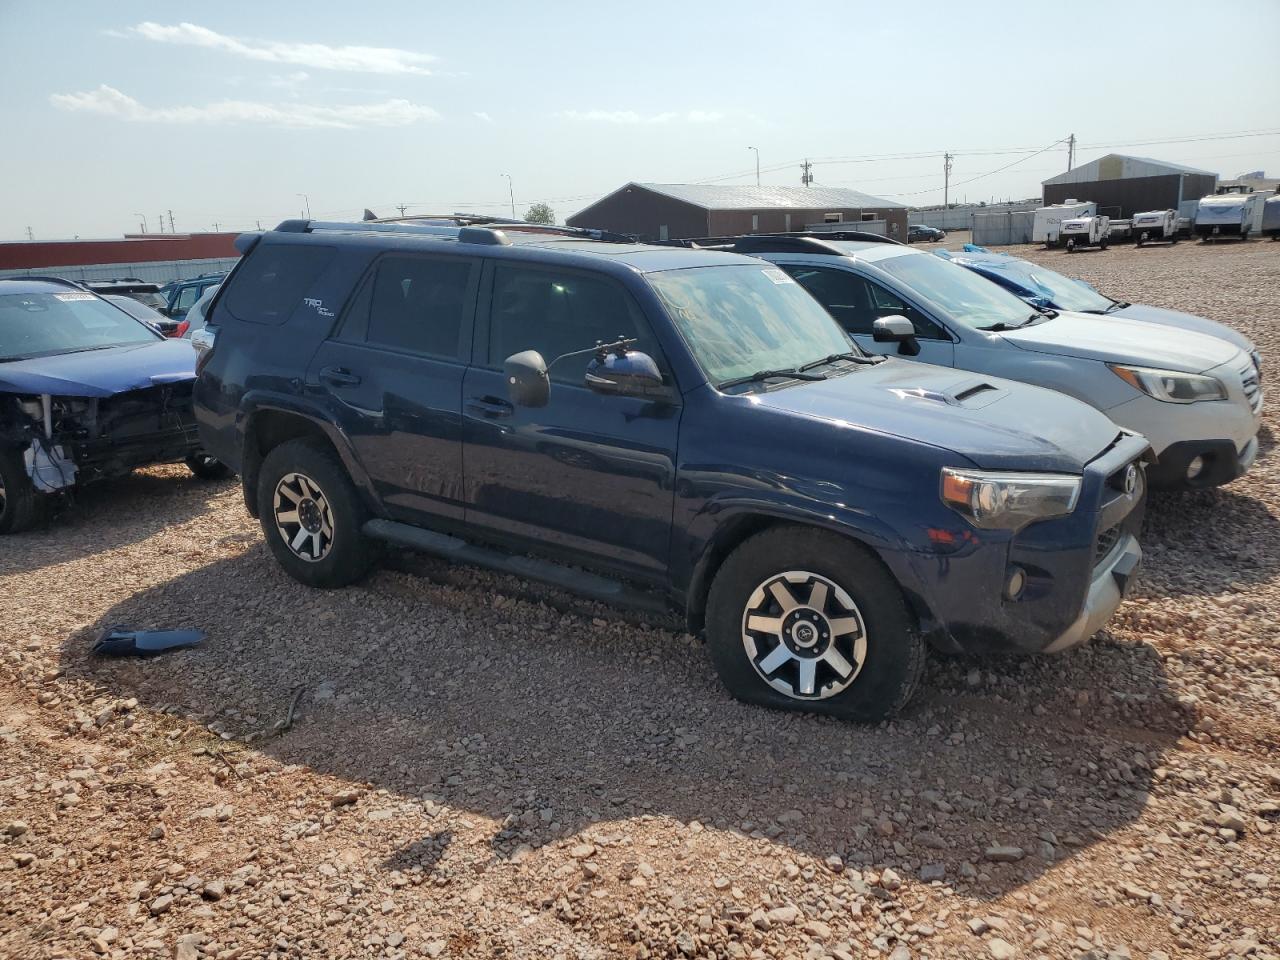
1122 186
679 211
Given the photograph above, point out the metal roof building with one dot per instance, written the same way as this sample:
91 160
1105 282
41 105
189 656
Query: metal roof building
1122 186
672 211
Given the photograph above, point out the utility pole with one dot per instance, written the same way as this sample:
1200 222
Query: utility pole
1071 151
511 192
171 230
143 218
307 201
946 179
30 235
161 219
402 207
757 150
806 173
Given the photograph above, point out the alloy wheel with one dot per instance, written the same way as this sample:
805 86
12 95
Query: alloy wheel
303 517
804 635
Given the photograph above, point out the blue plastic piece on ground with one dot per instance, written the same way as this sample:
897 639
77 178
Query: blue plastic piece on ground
122 641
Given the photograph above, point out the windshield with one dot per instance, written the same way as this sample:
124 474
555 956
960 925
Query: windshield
45 324
956 291
1063 292
739 320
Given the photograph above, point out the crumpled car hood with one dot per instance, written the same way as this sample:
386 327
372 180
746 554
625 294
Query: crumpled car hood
102 373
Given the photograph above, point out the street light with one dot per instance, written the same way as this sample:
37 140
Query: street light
307 201
512 194
143 218
757 150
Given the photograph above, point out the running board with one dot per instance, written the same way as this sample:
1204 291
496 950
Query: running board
566 578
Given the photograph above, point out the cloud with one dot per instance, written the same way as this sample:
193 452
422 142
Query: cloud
631 117
109 101
484 116
320 56
289 82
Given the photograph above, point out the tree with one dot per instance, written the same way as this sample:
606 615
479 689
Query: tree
541 213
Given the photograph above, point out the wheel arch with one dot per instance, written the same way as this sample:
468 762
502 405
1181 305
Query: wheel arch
269 425
740 527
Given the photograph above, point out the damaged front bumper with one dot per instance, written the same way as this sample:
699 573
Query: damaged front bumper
74 440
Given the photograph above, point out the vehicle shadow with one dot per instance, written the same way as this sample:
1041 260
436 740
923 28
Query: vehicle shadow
551 722
1191 556
110 514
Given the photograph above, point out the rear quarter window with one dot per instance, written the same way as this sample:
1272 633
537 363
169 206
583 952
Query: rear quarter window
269 286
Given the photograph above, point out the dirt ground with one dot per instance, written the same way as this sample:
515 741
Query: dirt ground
445 763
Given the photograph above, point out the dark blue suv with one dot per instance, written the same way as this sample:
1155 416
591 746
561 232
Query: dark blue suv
648 425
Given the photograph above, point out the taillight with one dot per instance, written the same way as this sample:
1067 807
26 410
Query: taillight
202 342
181 329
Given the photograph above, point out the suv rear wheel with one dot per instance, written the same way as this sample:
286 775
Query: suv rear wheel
311 515
21 506
801 619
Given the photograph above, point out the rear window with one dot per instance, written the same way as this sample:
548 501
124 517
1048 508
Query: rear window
272 282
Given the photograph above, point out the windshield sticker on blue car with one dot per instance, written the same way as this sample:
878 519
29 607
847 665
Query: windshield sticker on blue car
777 276
74 296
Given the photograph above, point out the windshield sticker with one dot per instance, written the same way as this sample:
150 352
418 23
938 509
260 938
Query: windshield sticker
73 296
777 276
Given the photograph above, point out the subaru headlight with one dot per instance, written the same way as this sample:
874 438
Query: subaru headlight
1171 386
996 500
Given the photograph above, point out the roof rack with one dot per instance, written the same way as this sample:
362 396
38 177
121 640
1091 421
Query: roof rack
79 285
806 241
467 234
521 226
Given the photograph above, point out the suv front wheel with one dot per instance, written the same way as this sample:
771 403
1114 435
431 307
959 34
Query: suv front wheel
311 515
802 619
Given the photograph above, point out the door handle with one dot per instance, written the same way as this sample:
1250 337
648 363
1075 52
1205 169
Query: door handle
339 376
489 407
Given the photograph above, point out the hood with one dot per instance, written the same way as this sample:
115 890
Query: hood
1116 340
993 423
1184 321
101 373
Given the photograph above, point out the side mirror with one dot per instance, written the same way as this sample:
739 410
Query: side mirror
896 329
633 374
528 384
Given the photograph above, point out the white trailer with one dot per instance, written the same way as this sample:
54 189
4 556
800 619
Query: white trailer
1155 225
1227 215
1085 232
1047 224
1271 218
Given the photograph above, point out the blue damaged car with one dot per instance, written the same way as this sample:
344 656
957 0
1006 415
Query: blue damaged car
86 391
656 426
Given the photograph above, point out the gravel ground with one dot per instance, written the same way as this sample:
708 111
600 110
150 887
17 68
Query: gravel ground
447 763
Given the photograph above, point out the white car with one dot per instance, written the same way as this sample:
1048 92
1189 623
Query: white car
1195 397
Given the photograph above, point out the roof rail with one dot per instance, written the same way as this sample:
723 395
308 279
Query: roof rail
467 234
521 226
799 240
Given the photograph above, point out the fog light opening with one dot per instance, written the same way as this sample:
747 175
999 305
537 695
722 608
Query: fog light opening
1195 468
1013 586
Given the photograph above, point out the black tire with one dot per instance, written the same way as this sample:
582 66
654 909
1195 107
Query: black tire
342 557
21 505
893 652
205 467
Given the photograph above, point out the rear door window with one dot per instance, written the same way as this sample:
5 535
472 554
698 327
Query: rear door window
414 305
269 286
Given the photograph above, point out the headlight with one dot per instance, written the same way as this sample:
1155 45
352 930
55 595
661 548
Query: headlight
1008 501
1170 385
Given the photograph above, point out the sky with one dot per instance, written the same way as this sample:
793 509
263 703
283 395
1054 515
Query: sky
227 113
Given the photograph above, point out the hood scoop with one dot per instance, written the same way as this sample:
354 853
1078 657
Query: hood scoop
973 394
